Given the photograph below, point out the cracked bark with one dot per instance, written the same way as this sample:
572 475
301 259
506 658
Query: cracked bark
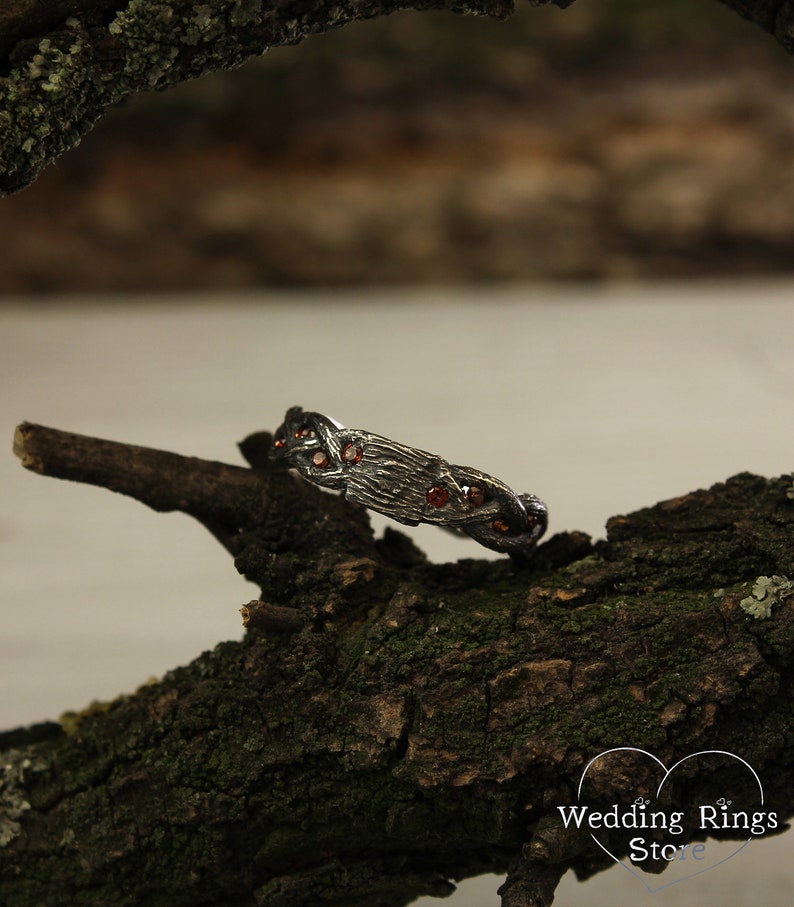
399 724
63 63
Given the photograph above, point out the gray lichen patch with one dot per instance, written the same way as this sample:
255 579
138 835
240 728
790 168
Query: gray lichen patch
60 87
767 591
15 764
43 100
153 35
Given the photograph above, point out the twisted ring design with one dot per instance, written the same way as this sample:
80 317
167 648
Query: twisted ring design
409 485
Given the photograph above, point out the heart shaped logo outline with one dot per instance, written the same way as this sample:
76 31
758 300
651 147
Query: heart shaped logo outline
666 775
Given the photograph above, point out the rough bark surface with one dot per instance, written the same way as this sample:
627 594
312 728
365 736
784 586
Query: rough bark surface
62 64
391 724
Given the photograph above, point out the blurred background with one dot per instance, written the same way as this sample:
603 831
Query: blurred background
559 249
614 139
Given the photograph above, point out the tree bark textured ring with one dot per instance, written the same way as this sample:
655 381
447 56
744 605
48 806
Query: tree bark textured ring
409 485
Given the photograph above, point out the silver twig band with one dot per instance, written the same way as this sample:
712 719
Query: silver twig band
411 486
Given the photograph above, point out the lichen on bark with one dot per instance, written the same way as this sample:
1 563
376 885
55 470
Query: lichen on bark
59 84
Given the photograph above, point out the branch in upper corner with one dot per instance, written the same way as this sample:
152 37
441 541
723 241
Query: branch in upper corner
63 72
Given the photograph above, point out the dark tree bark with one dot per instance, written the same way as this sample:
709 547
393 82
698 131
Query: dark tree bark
389 724
63 63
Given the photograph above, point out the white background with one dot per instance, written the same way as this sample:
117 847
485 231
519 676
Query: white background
598 400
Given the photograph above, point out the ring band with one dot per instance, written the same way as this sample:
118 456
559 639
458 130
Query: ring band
409 485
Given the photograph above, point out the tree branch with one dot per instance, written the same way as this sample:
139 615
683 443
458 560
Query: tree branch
161 480
58 84
264 519
63 63
418 723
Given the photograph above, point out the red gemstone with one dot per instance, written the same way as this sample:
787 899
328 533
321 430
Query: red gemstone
500 526
321 459
352 454
437 496
279 442
304 432
476 496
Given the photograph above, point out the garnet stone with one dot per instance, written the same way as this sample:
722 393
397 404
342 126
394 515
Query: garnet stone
352 454
500 526
437 496
476 496
321 459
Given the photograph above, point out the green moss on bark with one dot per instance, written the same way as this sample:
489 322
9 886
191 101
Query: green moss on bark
423 734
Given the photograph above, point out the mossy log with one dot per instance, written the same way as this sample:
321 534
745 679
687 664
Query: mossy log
389 725
62 64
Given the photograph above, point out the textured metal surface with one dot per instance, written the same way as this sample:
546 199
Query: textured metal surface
407 484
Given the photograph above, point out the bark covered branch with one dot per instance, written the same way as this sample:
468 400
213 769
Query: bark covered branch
415 723
266 520
63 64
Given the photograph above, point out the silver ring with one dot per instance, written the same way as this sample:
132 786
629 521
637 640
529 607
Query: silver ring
409 485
